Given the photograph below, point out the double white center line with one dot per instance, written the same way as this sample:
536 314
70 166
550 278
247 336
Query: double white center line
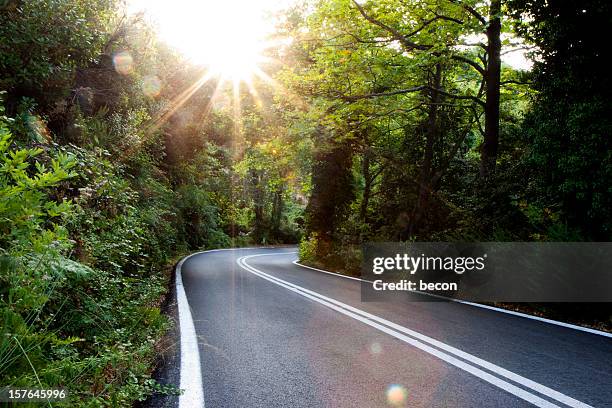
494 374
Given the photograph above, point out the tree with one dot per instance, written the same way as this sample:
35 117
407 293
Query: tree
372 84
332 189
569 125
43 42
489 66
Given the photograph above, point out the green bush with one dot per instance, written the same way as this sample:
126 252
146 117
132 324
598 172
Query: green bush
88 324
200 219
307 250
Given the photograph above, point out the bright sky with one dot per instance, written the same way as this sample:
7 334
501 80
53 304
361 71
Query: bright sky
517 59
228 35
515 56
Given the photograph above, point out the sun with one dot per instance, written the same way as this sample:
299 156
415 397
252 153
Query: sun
234 58
228 36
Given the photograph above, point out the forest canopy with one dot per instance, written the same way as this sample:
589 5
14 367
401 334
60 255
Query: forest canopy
427 131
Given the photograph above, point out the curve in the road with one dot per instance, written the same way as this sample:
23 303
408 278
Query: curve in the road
241 352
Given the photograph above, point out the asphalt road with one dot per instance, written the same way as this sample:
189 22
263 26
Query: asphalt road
274 334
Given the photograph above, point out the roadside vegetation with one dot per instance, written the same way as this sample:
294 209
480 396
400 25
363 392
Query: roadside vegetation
426 128
421 134
109 172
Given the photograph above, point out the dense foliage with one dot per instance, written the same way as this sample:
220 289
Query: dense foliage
112 164
430 135
570 123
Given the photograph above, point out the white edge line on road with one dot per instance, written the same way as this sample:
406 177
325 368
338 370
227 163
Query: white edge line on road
493 308
190 372
191 369
394 328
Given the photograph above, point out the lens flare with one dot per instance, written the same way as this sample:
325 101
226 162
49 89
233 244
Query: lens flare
396 395
375 348
123 62
151 86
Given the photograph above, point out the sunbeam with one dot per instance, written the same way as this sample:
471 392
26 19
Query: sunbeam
201 31
156 122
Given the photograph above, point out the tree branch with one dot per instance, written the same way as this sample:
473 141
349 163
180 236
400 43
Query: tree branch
353 98
409 45
454 96
431 20
473 12
516 82
390 112
478 44
468 61
395 33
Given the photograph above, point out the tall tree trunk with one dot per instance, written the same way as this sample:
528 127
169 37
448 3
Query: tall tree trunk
488 155
332 189
367 189
431 134
258 207
277 211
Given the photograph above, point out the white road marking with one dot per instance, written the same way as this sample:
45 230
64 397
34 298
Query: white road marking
191 368
465 302
395 330
191 371
328 272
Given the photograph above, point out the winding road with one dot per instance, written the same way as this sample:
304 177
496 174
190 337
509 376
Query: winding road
258 330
